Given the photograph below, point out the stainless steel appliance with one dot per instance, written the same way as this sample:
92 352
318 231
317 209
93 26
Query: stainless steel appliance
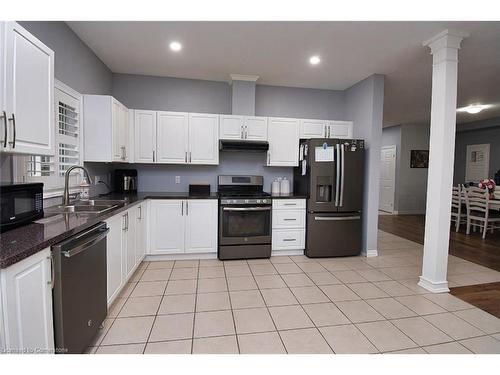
330 174
79 288
243 146
244 218
20 204
125 180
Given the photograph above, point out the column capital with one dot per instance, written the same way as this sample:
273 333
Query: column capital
445 39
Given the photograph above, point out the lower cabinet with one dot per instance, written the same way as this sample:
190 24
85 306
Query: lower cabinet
26 305
183 226
289 224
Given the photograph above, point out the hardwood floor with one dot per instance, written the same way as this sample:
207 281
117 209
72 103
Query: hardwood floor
469 247
484 296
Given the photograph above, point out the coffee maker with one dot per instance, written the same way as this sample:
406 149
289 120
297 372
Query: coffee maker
125 180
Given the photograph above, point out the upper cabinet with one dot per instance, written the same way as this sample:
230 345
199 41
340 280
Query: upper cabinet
27 95
325 129
283 136
340 129
203 138
106 129
250 128
172 142
145 136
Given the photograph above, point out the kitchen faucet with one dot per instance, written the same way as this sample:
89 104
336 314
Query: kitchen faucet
66 181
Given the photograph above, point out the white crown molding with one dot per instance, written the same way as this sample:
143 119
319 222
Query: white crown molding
243 77
447 38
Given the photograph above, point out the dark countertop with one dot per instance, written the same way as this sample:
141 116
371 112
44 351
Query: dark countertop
18 244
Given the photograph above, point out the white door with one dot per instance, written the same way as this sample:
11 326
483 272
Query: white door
145 136
140 232
203 138
115 118
477 166
231 127
167 223
387 178
201 226
340 129
283 137
312 129
114 261
129 243
172 137
124 128
255 128
27 292
29 92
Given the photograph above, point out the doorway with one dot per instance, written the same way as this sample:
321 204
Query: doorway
387 178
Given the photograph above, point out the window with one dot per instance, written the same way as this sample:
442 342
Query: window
50 170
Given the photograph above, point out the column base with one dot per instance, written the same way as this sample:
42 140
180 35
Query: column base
370 253
434 287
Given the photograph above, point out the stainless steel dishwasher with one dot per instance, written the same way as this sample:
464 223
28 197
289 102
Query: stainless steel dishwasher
79 288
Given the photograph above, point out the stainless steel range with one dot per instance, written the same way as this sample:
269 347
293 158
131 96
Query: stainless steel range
244 218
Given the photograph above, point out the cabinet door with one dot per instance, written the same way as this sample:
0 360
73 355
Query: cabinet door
255 128
172 137
128 243
140 232
231 127
203 138
124 129
283 137
145 136
27 304
118 151
201 226
313 129
114 256
167 226
29 92
341 129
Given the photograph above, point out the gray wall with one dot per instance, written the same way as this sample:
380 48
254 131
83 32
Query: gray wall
277 101
392 137
364 105
489 135
172 94
75 63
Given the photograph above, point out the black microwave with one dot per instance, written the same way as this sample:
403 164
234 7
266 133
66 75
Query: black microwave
21 203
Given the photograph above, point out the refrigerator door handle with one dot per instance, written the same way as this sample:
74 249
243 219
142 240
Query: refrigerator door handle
337 174
342 177
336 218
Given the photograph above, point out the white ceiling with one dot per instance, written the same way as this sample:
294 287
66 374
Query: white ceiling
279 51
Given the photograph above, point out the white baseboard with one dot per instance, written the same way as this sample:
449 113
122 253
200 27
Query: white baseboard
160 257
275 253
432 286
370 253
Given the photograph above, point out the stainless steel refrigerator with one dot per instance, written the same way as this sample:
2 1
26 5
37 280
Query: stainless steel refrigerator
330 174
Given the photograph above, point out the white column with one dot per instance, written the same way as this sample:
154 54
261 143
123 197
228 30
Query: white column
444 50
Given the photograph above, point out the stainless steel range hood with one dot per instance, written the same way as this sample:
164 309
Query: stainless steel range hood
243 146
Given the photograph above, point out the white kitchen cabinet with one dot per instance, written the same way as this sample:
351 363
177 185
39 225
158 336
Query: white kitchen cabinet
183 226
145 136
313 129
289 225
167 226
128 242
203 138
340 129
201 226
114 256
283 137
172 137
250 128
106 129
27 304
140 231
27 96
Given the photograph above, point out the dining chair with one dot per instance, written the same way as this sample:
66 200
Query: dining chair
478 211
458 211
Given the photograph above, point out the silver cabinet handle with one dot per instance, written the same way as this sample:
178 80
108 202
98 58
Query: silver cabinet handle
337 182
336 218
329 131
289 204
242 135
246 209
186 157
182 209
153 156
13 142
190 156
52 271
140 213
123 152
4 116
289 219
187 208
289 239
124 228
246 132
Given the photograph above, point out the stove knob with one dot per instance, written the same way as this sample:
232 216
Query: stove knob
258 201
264 200
246 200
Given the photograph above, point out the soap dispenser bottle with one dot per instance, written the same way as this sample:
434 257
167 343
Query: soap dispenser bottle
84 189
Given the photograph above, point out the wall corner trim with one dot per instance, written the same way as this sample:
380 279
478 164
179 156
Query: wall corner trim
243 77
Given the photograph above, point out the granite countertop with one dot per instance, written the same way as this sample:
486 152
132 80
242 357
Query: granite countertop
18 244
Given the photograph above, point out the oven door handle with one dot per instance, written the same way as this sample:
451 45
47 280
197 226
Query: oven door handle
246 208
86 245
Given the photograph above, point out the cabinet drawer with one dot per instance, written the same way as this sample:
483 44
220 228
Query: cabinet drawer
289 218
286 204
288 239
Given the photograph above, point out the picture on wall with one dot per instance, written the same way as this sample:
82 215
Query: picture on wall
419 159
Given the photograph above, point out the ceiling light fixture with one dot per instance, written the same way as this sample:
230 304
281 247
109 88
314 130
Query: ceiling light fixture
473 108
314 60
175 46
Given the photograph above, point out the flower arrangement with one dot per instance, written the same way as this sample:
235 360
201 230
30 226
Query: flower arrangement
489 184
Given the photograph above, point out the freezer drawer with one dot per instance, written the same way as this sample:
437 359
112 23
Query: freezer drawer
333 234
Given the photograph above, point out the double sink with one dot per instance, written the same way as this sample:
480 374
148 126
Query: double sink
86 207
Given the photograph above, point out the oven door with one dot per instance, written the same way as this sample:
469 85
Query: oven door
20 205
242 225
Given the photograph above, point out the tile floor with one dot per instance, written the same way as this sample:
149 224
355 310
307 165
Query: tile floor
298 305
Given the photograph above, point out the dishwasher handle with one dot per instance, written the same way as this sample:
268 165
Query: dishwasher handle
77 250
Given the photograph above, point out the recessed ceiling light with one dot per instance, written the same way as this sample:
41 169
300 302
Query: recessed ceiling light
314 60
473 108
175 46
